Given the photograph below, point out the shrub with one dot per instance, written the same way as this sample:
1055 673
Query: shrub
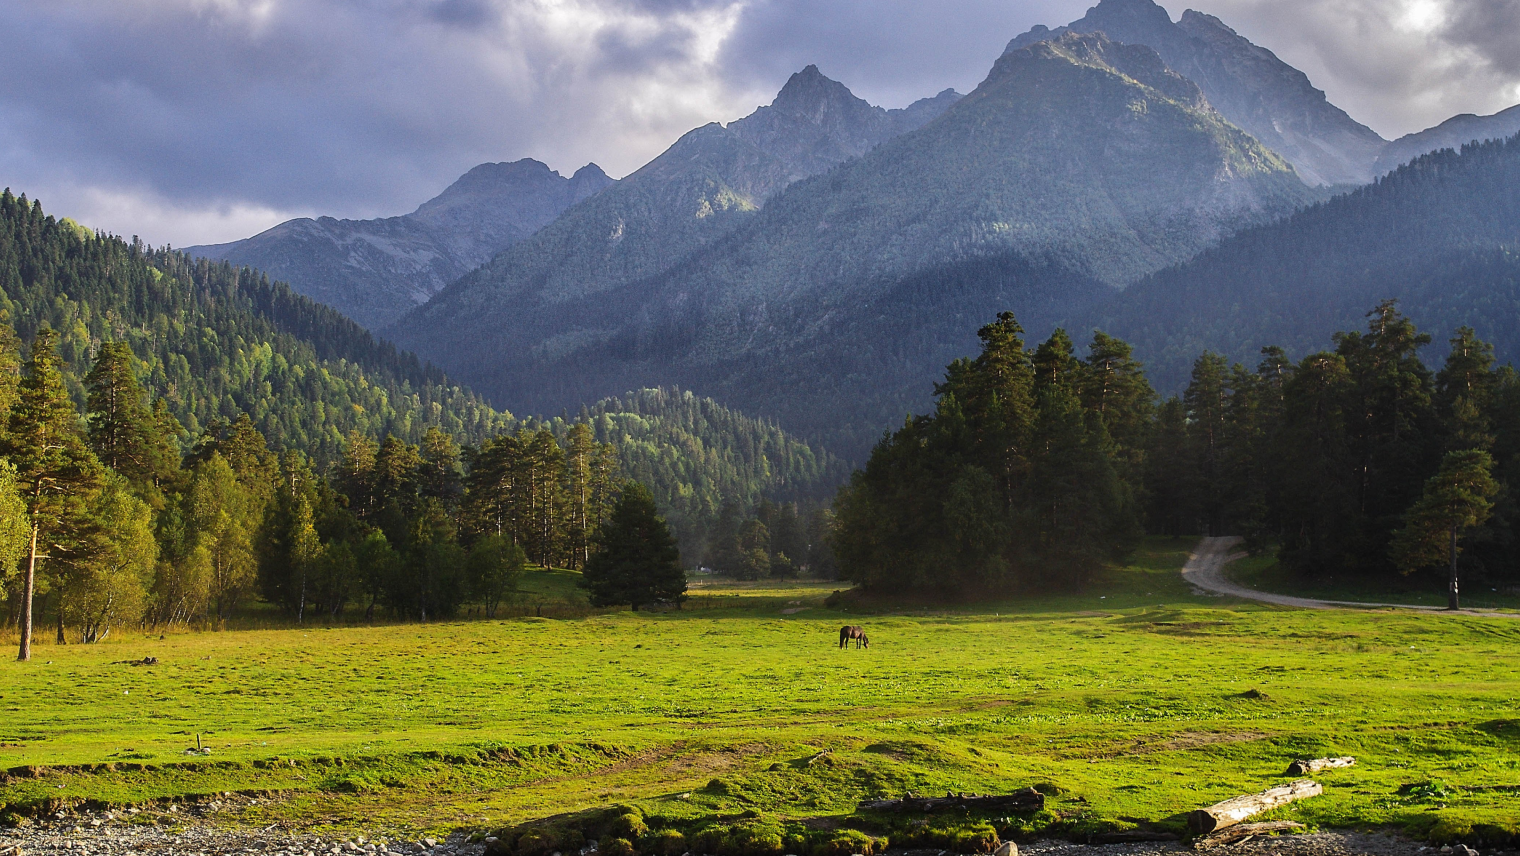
845 842
667 842
628 825
754 840
617 847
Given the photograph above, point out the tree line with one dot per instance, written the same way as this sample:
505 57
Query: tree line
106 523
216 342
1037 466
1357 464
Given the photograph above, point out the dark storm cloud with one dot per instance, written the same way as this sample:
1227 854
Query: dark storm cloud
198 120
1493 28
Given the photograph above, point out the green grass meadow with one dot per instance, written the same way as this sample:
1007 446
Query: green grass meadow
1128 709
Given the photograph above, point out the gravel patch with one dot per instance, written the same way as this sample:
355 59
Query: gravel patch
183 834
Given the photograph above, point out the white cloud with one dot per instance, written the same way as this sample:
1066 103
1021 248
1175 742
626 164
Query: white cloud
1397 66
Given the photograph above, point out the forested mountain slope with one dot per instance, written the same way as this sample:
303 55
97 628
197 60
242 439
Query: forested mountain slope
217 341
700 455
1248 84
1077 165
1439 234
374 270
1454 133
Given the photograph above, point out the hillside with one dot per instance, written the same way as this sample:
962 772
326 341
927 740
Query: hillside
1077 165
374 270
217 341
699 454
1453 133
1246 83
1440 234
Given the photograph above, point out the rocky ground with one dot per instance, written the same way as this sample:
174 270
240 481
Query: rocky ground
175 832
191 831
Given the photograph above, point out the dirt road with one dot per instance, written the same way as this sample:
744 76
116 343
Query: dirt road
1205 570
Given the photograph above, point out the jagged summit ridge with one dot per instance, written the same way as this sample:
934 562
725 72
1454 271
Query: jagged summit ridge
1246 83
1077 165
374 270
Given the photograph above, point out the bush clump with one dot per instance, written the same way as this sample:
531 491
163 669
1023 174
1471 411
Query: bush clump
845 842
629 825
970 837
754 839
666 842
616 847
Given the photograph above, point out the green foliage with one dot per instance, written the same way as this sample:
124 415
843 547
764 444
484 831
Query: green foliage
636 561
495 569
217 342
696 454
1457 498
15 524
1013 482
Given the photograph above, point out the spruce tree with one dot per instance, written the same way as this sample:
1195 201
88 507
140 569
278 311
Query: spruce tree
636 561
121 425
1457 498
56 474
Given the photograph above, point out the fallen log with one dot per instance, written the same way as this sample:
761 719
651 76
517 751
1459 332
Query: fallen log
1241 833
1028 799
1234 810
1305 768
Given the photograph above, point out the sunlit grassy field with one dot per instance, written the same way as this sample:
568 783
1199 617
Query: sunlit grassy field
1130 707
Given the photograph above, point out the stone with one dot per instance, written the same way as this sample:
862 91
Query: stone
1007 848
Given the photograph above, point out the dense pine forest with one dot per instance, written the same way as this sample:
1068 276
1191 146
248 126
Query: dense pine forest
1037 467
1439 234
219 342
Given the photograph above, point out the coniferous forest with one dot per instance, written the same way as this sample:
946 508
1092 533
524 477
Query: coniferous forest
1358 463
183 438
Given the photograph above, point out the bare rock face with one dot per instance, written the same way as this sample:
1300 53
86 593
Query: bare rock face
1246 83
1078 165
374 270
1454 133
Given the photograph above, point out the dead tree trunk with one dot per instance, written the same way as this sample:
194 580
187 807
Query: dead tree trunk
27 588
1237 809
1028 799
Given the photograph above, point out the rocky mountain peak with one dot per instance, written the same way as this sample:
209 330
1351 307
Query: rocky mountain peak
589 180
1138 62
1246 83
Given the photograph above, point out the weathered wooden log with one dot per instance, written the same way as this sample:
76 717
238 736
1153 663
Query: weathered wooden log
1240 833
1028 799
1233 811
1305 768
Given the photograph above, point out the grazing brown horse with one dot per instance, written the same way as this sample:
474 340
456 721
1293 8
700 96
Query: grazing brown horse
856 632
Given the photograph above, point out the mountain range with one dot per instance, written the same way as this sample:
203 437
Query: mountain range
816 260
1079 157
374 270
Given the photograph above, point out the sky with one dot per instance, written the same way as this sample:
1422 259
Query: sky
200 121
